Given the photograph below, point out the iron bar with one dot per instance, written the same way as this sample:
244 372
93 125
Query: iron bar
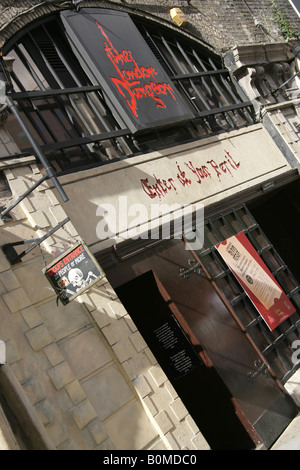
22 95
207 74
29 190
84 140
36 242
36 148
285 83
240 324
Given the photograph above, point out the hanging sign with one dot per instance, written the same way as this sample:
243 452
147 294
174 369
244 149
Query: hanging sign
256 279
73 272
115 55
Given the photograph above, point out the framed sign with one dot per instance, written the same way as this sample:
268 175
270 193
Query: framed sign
73 272
115 55
173 349
258 282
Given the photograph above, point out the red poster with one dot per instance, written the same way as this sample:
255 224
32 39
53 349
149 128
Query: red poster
256 279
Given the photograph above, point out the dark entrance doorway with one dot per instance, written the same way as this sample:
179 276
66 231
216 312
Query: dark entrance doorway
244 365
260 405
197 383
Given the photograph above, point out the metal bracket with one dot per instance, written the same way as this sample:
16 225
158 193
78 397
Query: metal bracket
195 268
69 4
7 101
261 367
285 83
13 257
14 204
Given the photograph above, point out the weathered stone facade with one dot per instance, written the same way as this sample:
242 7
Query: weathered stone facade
85 372
220 24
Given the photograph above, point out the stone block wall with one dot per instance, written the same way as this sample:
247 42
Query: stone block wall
221 24
84 370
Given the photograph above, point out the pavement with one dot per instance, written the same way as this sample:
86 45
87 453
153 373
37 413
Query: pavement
290 438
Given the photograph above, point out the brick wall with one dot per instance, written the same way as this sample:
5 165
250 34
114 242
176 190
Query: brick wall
220 23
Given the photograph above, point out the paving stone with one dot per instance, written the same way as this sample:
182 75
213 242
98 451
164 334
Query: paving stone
39 337
132 417
53 354
158 375
86 353
9 280
83 413
179 409
16 300
98 432
164 422
31 317
61 375
76 392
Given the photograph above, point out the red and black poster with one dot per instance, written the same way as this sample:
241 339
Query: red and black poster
258 282
116 56
73 272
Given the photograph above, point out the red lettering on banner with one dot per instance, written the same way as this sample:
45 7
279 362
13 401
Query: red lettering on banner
128 82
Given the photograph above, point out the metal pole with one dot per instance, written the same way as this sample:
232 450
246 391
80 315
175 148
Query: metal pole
40 181
285 83
37 150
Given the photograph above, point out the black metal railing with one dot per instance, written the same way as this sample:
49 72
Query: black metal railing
71 120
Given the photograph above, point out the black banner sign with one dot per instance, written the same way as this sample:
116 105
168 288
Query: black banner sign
116 56
73 272
177 353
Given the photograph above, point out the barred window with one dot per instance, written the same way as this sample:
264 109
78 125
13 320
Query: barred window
70 118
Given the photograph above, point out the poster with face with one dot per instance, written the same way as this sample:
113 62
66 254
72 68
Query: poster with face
73 272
